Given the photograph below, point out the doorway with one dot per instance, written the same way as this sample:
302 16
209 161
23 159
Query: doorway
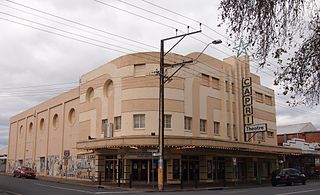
110 170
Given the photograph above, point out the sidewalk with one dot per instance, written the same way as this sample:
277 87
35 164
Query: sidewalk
149 188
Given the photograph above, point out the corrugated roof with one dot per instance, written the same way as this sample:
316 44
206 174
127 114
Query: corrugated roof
296 128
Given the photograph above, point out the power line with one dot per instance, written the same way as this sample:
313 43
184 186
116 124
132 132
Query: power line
38 16
80 24
163 24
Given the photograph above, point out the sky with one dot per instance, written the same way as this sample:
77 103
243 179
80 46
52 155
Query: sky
46 45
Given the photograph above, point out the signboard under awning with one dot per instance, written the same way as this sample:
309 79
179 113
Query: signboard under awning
256 128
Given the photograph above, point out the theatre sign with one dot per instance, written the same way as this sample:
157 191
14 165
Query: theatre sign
247 101
255 128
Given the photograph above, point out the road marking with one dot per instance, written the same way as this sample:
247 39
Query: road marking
235 191
11 192
84 191
298 192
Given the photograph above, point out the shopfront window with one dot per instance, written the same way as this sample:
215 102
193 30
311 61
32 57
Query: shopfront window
209 169
176 168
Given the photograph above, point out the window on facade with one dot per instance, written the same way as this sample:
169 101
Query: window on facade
117 122
259 97
205 79
176 169
209 169
187 123
261 136
104 126
215 83
108 88
42 124
139 69
203 124
30 127
21 130
167 121
227 86
139 121
72 116
270 134
55 121
233 88
235 134
89 94
228 130
268 100
216 128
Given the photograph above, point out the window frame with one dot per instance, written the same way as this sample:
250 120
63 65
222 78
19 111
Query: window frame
167 123
216 131
140 125
189 124
203 126
117 123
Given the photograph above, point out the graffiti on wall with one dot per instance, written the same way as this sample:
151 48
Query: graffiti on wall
10 166
53 166
42 164
28 162
85 166
71 167
82 166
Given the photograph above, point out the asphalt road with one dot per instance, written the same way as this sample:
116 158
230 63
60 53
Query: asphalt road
28 186
14 185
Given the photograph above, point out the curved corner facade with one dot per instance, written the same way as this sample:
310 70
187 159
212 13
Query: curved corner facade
108 126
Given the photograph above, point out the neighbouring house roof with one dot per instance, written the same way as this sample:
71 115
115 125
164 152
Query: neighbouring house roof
4 151
296 128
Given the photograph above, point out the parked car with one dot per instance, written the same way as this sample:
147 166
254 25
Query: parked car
288 176
24 172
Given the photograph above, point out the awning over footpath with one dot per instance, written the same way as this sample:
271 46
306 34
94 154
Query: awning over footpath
187 142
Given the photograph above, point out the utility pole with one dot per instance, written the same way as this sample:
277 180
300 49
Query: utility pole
163 79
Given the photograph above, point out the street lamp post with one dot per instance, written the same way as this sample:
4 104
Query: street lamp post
163 79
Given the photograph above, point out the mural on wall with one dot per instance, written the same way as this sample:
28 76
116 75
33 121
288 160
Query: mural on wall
53 166
10 166
85 166
71 167
42 164
28 162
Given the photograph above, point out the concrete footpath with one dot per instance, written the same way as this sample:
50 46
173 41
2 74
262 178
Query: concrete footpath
138 186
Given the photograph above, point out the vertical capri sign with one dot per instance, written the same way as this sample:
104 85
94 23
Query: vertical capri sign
247 101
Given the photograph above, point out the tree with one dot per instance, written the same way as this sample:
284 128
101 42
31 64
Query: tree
272 28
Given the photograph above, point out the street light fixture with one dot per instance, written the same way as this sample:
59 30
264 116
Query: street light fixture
215 42
161 96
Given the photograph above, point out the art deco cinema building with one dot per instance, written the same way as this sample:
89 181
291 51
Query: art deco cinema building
109 124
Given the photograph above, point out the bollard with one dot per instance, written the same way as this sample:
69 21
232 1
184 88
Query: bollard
181 184
130 181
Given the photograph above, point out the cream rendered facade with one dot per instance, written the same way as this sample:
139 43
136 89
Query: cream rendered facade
109 124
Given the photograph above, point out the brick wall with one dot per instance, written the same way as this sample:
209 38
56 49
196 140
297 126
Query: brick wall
310 137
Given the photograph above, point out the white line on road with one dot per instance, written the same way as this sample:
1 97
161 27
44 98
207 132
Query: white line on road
298 192
82 191
234 192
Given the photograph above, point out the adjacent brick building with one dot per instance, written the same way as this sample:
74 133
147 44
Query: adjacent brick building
305 131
